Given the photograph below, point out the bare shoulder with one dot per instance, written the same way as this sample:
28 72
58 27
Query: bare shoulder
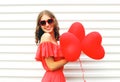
46 37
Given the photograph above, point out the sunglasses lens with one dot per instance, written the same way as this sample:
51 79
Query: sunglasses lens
50 21
42 22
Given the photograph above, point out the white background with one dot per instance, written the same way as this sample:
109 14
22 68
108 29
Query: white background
17 44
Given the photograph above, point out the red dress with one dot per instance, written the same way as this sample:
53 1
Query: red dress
47 49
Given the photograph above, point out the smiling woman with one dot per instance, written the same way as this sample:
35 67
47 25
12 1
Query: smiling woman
46 22
48 52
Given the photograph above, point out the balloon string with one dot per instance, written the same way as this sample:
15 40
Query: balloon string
83 77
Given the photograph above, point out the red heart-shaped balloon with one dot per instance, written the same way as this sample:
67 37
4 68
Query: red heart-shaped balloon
91 45
70 46
78 30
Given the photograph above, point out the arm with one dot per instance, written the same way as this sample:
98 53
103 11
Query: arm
54 65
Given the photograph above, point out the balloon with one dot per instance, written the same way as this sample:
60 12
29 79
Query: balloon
78 30
91 46
70 46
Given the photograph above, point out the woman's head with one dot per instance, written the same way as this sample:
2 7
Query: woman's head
46 22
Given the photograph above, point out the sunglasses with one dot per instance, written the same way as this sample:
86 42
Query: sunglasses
43 22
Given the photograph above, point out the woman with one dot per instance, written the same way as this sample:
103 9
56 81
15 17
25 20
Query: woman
48 52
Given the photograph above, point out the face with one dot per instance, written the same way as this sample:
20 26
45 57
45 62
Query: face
47 24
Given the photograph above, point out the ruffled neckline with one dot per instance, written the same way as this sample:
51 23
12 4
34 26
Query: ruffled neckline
46 49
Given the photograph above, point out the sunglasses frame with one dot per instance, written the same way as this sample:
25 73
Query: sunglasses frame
43 22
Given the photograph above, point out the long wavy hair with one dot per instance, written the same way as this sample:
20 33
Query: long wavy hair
39 32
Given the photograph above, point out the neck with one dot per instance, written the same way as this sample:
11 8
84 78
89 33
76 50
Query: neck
53 37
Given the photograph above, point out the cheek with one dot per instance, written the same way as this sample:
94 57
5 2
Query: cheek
42 28
53 26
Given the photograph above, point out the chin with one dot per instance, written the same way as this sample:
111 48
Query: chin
49 31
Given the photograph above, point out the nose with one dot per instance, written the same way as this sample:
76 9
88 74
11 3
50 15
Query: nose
47 24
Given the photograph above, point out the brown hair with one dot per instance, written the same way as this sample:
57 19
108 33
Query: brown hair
39 31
